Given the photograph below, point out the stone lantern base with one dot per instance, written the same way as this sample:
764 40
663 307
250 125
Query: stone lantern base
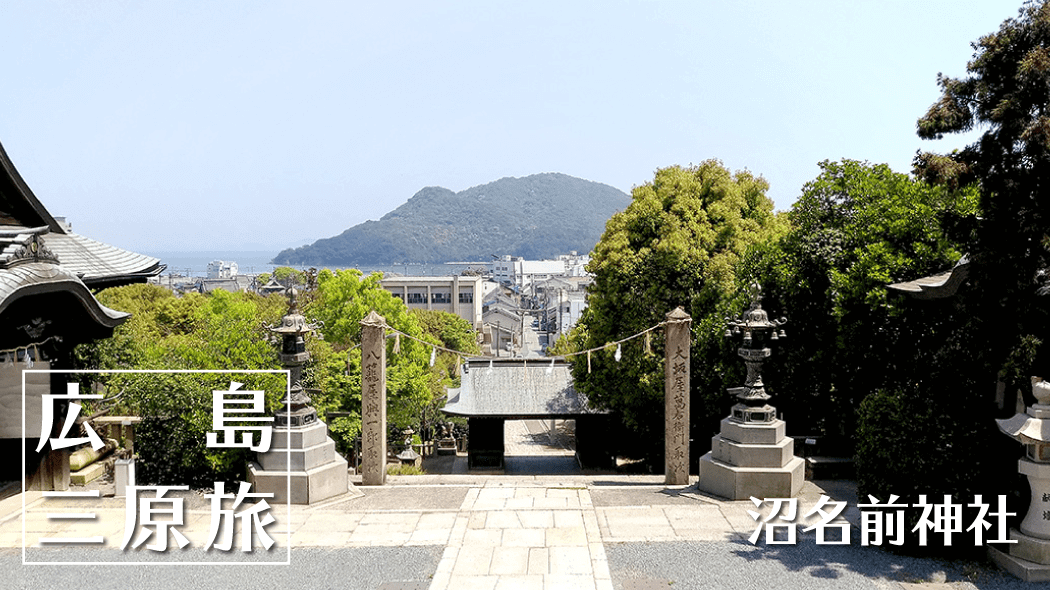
1028 559
317 472
751 459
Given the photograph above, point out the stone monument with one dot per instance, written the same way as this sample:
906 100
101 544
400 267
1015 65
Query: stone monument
300 447
751 456
676 398
1029 555
373 400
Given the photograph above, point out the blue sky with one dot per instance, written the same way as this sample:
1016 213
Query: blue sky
257 125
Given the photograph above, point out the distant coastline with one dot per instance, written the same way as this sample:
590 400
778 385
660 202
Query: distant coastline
255 262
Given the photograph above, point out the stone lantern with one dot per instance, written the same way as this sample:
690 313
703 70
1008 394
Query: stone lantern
297 411
301 451
1029 557
751 456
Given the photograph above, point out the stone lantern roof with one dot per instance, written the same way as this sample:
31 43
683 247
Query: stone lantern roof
1032 427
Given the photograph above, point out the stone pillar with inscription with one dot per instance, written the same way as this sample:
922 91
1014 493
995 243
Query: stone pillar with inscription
373 400
751 455
676 397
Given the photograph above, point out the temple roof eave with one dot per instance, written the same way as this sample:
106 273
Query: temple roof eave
36 278
938 286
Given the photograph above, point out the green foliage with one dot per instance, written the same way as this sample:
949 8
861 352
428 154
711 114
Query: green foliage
1006 94
856 228
216 331
405 470
177 415
937 435
454 332
677 244
342 300
289 277
569 343
537 217
415 390
914 440
223 330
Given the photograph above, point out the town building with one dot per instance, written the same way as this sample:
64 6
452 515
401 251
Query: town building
458 294
518 273
502 331
220 269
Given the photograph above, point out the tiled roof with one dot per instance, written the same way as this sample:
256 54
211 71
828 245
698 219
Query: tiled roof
43 277
506 319
516 388
24 216
98 261
936 286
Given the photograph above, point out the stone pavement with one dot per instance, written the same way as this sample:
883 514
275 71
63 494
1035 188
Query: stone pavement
534 532
557 528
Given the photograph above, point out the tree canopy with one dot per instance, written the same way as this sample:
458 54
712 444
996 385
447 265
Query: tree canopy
856 228
676 244
1007 95
222 330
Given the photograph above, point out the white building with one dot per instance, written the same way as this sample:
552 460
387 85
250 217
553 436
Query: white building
220 269
458 294
519 273
563 310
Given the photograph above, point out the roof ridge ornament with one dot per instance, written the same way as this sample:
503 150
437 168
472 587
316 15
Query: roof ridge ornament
33 250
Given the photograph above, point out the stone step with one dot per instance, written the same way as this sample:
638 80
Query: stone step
88 474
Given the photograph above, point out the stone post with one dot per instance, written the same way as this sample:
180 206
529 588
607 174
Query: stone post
676 397
373 400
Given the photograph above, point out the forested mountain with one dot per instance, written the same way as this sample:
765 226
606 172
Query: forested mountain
537 217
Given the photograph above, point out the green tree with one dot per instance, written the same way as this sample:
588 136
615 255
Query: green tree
216 331
454 333
289 277
1006 94
676 244
342 299
856 228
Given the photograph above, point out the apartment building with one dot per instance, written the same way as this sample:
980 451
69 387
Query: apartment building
458 294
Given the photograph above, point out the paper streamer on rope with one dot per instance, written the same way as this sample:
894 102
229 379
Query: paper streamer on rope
618 354
397 345
588 362
433 356
550 369
648 347
489 370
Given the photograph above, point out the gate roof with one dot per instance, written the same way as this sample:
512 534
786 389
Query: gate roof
516 388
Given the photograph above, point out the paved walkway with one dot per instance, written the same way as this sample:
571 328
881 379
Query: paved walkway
534 532
460 531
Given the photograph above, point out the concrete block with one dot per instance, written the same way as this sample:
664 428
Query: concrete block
753 455
740 483
1021 568
830 468
1030 548
87 474
309 436
307 487
763 434
301 459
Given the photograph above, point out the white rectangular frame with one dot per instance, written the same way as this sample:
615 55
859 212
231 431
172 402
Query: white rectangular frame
288 477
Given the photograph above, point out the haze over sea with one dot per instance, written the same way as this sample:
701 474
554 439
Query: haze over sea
255 262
